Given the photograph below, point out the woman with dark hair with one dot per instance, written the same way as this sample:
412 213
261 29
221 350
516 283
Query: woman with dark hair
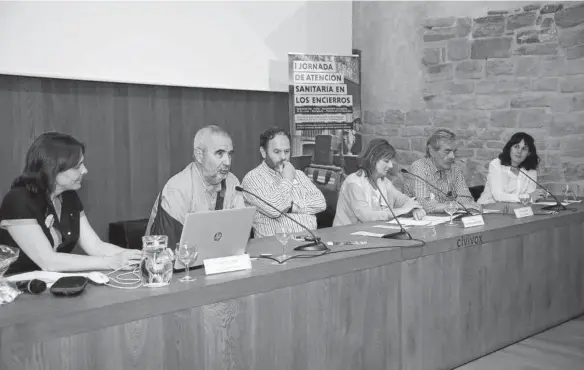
506 180
360 197
43 216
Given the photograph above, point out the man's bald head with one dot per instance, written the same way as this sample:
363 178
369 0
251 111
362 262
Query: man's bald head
205 136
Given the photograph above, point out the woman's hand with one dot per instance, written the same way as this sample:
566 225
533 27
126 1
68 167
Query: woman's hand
404 210
536 195
418 213
125 260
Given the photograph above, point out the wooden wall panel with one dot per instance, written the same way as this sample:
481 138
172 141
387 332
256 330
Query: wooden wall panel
463 304
137 136
347 322
359 310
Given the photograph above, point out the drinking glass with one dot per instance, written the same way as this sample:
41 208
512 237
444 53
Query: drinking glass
524 198
451 208
186 254
566 190
575 191
283 235
157 260
570 192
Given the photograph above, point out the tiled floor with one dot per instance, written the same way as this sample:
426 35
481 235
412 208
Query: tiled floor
559 348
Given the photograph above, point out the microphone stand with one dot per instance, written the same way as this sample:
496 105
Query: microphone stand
402 234
558 207
404 171
315 245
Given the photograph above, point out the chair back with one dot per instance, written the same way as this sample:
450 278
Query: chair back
476 191
328 179
127 234
300 162
323 151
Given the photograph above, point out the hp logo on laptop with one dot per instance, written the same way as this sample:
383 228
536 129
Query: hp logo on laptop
218 236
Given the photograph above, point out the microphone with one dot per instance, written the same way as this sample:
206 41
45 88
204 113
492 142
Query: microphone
402 234
558 207
315 245
33 286
403 170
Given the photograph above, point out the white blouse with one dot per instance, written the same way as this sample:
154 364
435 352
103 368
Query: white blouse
505 186
360 202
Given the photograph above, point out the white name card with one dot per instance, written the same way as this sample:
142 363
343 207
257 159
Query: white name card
471 221
227 264
523 212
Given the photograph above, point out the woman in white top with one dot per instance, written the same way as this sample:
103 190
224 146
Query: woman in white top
360 197
507 174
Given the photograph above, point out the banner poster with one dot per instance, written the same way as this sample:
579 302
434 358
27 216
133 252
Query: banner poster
325 99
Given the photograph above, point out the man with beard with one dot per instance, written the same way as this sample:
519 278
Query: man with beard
204 185
281 185
439 169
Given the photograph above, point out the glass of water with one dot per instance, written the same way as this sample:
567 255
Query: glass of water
186 253
283 235
451 208
570 192
566 191
575 191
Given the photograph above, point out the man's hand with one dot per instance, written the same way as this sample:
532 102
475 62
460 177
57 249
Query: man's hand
288 171
474 207
418 213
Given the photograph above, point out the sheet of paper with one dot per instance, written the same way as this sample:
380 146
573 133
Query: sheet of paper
436 220
486 210
411 222
393 227
550 203
367 233
574 201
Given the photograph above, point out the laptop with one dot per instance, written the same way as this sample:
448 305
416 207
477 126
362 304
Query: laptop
217 233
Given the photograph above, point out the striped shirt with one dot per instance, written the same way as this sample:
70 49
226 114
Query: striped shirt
450 181
279 192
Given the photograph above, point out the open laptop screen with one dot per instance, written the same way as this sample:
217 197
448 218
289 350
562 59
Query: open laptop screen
217 233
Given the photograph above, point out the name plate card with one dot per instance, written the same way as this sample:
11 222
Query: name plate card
227 264
471 221
523 212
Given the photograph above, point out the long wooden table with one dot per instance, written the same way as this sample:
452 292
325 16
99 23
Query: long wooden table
465 293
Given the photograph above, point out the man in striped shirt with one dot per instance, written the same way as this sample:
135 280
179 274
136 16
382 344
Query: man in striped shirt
281 185
439 169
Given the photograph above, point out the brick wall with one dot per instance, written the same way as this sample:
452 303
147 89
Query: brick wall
488 77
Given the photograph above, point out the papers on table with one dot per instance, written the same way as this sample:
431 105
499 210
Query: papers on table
486 210
553 203
367 233
574 201
411 222
436 220
393 227
426 221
